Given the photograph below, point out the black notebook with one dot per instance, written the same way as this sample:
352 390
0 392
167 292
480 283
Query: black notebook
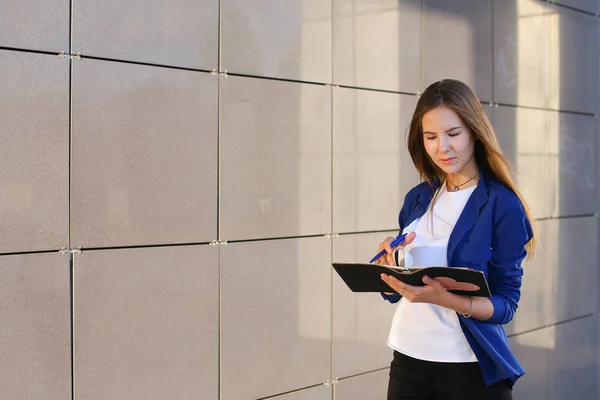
364 277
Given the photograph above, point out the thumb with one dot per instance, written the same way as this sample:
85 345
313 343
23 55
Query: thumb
432 282
408 240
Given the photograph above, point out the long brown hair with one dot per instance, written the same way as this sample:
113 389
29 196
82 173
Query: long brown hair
459 97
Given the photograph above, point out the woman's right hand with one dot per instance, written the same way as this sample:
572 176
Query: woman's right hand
388 257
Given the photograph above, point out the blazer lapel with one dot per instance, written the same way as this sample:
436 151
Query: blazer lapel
468 217
423 200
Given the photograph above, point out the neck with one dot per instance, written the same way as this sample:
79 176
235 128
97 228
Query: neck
465 178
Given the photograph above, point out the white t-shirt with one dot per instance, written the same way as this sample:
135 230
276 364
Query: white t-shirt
427 331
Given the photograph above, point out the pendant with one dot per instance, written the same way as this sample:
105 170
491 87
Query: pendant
456 188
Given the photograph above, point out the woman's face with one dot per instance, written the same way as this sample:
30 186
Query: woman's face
448 142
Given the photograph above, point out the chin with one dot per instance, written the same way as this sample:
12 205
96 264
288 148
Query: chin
450 169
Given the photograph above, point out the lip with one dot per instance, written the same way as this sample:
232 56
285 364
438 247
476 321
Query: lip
447 160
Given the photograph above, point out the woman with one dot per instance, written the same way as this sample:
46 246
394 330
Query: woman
468 212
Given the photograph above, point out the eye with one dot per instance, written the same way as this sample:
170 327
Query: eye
454 134
430 137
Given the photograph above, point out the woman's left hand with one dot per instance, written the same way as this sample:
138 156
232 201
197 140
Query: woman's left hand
433 292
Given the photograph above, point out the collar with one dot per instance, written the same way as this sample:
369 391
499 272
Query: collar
468 217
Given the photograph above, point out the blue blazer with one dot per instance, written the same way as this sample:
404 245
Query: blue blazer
489 236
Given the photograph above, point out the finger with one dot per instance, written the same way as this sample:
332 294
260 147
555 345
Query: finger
432 282
393 283
382 260
386 241
386 244
408 240
398 284
389 259
384 278
385 259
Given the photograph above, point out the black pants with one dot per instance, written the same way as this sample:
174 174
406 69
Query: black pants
412 379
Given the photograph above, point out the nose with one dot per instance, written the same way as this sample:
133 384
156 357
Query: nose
444 144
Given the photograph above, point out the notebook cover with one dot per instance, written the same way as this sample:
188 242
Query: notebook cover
365 277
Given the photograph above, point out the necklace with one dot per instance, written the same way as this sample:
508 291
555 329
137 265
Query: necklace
464 183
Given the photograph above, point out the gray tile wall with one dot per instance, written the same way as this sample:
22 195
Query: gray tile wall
146 323
201 163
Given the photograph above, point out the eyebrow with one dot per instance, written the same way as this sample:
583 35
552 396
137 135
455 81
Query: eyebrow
447 131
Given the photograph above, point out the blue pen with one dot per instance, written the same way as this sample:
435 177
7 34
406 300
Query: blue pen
395 243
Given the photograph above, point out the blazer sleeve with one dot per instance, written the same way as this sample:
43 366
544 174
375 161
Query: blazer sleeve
392 298
510 233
